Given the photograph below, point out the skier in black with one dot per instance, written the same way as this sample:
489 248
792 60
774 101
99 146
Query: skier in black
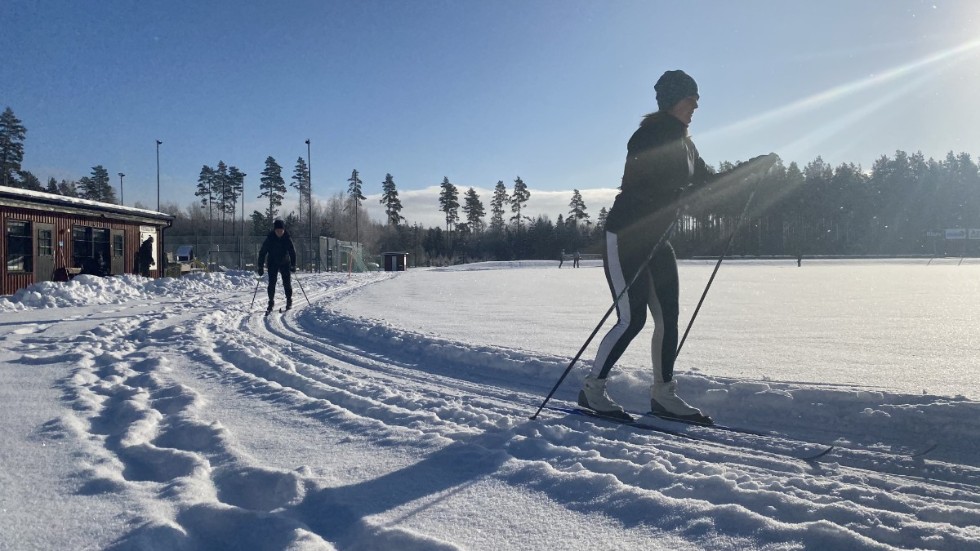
279 256
663 171
144 257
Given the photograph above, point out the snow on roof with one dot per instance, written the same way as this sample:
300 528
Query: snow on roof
52 198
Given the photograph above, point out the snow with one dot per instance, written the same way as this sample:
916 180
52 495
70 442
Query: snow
41 196
392 411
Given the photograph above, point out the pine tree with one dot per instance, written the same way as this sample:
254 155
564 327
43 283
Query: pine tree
449 203
272 187
68 188
206 189
301 182
223 192
97 186
474 210
355 196
518 200
500 198
389 198
29 181
601 222
236 190
12 134
205 183
577 206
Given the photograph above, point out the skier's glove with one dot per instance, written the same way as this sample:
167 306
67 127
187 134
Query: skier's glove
292 269
259 270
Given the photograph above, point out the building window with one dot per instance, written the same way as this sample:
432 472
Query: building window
45 243
90 249
19 247
117 246
81 245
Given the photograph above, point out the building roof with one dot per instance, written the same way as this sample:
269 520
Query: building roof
25 198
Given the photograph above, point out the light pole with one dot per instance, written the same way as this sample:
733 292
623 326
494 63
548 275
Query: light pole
163 260
241 256
122 198
309 203
158 174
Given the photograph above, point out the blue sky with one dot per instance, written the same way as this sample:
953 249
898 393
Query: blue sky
476 91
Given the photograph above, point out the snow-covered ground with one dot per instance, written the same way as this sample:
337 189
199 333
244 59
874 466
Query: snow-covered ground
393 412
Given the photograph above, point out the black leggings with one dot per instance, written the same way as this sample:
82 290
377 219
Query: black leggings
287 284
656 288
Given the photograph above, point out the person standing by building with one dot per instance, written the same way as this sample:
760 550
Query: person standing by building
279 256
144 257
662 169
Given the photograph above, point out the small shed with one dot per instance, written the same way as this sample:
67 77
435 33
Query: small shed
395 261
185 253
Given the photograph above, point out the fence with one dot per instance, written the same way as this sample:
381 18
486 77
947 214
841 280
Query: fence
325 255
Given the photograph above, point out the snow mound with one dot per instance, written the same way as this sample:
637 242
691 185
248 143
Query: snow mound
88 290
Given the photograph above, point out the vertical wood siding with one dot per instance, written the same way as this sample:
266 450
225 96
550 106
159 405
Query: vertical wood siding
11 282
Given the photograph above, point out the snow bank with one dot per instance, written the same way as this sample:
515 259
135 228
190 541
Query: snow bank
204 425
87 290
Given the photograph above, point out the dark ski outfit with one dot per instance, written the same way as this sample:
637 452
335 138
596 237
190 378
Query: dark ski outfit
279 256
661 165
144 257
663 171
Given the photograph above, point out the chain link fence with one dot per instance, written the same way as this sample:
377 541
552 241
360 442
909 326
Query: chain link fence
321 254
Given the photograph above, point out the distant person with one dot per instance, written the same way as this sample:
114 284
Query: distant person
279 256
575 259
91 266
799 260
145 257
561 258
662 165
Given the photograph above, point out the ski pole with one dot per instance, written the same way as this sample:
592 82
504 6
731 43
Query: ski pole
254 293
731 239
636 276
304 291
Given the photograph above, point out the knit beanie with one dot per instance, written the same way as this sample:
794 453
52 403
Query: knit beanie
672 87
279 225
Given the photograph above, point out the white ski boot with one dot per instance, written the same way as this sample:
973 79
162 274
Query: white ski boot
593 396
664 402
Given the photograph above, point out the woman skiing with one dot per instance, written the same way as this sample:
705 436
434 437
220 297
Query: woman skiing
662 166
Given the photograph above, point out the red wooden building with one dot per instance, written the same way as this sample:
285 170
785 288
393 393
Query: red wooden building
44 233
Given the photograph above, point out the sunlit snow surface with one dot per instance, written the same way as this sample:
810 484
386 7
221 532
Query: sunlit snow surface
393 413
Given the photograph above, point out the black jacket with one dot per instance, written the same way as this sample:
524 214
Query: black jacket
661 164
277 252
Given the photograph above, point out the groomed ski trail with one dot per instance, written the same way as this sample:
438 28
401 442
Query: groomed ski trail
355 384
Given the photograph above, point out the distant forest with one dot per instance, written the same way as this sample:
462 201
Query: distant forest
901 206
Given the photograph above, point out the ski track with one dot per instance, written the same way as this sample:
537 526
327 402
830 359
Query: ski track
144 429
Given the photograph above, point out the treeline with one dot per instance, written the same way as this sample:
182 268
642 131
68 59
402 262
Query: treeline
900 207
508 234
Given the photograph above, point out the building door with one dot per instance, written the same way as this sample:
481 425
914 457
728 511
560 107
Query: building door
43 252
117 265
150 232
